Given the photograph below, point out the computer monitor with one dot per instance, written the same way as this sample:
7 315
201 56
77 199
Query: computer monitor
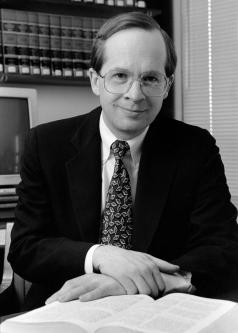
18 113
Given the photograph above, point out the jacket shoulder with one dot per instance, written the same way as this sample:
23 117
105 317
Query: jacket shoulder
63 129
181 131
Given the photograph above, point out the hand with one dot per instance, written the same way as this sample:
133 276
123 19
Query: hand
87 287
137 272
178 282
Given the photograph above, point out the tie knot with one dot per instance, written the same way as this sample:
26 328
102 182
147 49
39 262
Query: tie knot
119 148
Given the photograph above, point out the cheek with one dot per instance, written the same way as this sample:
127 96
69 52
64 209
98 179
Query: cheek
107 102
155 106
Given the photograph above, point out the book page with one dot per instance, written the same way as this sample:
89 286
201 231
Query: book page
87 315
171 314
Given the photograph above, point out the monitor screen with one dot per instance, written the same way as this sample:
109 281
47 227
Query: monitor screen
18 113
14 125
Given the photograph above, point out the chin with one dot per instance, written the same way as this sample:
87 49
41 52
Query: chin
129 132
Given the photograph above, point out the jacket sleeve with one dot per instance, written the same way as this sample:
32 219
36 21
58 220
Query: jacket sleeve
212 250
37 252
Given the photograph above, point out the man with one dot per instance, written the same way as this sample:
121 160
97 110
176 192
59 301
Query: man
164 181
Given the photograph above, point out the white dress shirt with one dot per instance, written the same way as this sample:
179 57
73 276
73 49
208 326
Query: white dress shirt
131 161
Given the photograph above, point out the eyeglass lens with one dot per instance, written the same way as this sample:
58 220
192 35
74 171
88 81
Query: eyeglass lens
120 82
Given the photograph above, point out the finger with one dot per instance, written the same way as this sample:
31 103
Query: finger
151 275
60 293
93 295
165 266
155 279
100 293
76 292
53 298
159 282
128 284
144 285
70 291
150 283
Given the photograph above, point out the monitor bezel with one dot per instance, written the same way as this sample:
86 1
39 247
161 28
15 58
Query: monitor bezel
31 96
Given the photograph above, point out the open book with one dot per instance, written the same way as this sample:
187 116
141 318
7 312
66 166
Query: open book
174 313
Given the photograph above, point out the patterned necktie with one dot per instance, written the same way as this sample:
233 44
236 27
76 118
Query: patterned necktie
117 218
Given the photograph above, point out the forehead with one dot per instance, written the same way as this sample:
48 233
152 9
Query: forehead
135 49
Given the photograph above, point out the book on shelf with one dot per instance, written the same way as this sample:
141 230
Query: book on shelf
7 205
55 45
22 42
44 44
174 313
34 51
1 49
77 46
9 40
87 42
5 191
8 198
66 45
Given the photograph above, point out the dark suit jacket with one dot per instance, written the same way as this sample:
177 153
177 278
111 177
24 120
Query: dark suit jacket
182 210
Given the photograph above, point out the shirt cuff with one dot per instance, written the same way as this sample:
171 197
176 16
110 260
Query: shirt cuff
88 263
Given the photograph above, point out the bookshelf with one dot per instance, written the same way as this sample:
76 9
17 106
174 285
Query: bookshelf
49 41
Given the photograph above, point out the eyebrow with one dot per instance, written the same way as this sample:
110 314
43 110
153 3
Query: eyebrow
128 71
119 69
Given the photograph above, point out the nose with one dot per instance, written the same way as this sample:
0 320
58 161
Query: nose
135 92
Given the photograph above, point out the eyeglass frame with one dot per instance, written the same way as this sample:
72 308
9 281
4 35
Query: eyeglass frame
168 80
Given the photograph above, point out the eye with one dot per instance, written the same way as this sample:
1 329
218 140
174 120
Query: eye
151 79
119 76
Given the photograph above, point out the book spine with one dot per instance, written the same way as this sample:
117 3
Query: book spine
88 35
8 198
23 42
44 44
8 205
129 3
9 40
1 47
34 47
120 3
77 46
110 2
55 46
7 191
66 45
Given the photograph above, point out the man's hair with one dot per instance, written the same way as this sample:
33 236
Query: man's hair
127 21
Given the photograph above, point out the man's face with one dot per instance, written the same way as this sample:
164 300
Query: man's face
136 51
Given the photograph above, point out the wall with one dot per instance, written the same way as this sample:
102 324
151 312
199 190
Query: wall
57 102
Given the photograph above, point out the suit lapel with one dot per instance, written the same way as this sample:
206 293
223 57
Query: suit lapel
156 172
84 176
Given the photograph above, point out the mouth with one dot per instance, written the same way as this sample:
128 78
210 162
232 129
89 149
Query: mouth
131 110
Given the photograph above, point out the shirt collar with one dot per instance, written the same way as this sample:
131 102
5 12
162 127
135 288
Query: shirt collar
108 138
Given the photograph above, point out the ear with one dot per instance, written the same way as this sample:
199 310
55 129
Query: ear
94 80
171 80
